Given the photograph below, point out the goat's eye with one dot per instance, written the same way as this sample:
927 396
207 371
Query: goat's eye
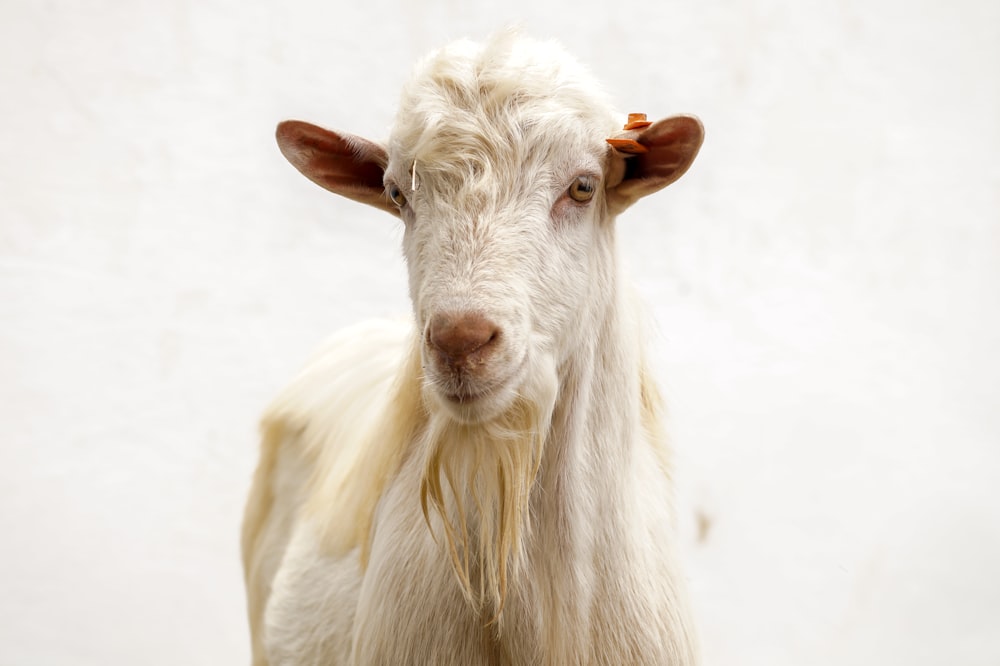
396 196
582 189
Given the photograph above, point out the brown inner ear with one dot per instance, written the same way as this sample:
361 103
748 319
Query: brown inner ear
342 163
671 145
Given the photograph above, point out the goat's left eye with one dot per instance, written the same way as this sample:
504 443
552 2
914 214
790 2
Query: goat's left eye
397 196
582 189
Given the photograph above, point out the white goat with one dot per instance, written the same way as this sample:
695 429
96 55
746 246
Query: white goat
491 486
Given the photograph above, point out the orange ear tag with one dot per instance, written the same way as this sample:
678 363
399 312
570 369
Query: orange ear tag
636 121
630 146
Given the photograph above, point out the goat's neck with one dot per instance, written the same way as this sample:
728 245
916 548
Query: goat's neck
584 515
596 422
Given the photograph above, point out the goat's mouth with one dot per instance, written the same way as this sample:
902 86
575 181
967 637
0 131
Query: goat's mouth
462 390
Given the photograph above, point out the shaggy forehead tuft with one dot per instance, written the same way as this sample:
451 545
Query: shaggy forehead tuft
469 106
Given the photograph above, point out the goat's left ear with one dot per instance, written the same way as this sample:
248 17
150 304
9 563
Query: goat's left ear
665 150
343 163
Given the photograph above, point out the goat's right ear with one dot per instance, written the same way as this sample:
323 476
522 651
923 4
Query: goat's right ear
342 163
649 156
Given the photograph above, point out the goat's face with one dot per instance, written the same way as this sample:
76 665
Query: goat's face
507 259
499 167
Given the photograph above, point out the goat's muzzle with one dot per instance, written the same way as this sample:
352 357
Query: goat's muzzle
461 342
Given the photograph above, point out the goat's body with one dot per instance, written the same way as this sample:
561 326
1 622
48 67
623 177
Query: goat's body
490 486
597 583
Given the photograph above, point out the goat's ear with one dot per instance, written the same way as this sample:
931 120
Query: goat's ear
665 150
342 163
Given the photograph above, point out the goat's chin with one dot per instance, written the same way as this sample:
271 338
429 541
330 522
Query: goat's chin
476 408
480 405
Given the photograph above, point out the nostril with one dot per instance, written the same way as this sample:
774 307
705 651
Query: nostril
457 336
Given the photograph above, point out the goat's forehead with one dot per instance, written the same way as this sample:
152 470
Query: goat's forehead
508 100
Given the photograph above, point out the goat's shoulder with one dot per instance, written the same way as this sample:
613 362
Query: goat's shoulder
321 451
338 411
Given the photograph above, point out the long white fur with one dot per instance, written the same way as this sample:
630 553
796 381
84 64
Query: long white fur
389 525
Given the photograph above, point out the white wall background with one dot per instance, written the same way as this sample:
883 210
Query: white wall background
826 280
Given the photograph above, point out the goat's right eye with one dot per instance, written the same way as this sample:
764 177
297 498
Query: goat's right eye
397 196
582 190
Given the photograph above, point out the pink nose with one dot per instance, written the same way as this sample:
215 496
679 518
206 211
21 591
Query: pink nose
462 339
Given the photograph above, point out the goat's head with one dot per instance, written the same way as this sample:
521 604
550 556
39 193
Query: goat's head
499 167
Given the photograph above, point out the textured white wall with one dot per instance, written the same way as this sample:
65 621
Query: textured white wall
825 279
